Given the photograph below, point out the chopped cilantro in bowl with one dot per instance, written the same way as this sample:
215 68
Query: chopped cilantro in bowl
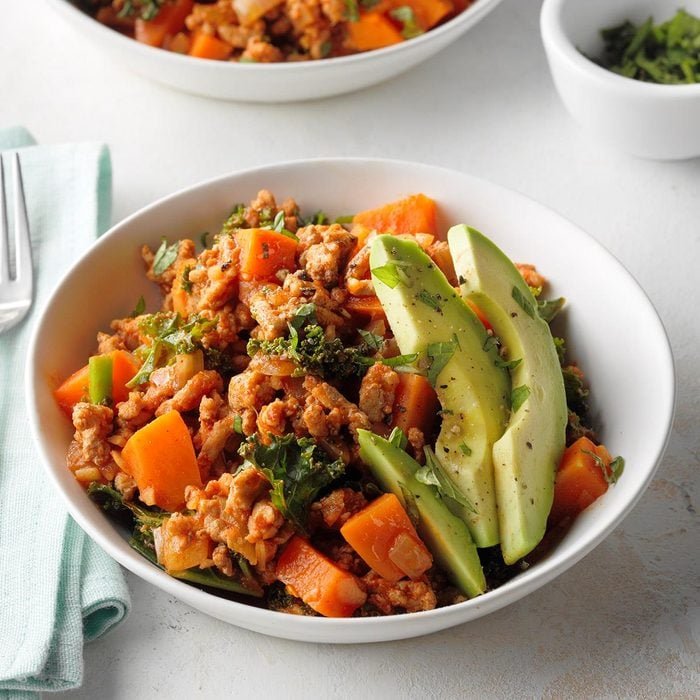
667 53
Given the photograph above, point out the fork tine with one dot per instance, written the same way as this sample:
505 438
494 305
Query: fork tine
23 246
4 247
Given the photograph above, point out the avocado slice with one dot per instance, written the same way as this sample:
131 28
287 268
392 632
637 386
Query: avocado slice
445 535
428 317
527 455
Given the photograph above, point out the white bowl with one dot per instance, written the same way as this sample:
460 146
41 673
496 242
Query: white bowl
612 330
272 82
644 119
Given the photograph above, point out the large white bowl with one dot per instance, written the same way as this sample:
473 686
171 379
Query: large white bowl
643 119
272 82
612 330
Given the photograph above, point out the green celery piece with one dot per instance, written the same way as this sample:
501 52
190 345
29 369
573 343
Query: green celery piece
100 379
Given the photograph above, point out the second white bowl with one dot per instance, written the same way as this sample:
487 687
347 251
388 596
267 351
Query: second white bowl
272 82
644 119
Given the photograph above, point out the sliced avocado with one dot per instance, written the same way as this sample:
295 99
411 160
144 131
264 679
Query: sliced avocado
428 317
446 535
526 457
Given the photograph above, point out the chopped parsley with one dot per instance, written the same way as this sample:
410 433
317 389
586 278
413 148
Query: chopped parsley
165 256
431 300
519 396
548 309
523 303
439 354
387 274
667 53
465 449
139 308
236 219
398 438
143 9
372 340
613 471
432 474
399 362
406 17
185 282
170 336
507 364
352 11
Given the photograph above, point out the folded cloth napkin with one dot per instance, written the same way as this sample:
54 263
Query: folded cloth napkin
57 588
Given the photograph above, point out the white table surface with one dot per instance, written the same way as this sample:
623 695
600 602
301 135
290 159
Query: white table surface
623 622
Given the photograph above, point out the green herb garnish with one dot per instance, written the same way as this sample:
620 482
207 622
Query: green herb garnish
170 336
549 308
507 364
405 16
431 300
398 438
165 256
666 53
352 11
613 471
139 308
372 340
439 355
519 396
432 474
185 282
400 362
523 303
387 274
144 9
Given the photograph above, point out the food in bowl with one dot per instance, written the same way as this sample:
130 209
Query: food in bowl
354 418
272 31
666 53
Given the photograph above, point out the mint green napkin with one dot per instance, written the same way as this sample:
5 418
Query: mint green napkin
57 588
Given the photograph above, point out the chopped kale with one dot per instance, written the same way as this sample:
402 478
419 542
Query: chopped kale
297 469
576 392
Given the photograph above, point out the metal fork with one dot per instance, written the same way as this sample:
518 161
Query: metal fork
16 292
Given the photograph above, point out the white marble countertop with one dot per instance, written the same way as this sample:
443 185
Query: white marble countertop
623 622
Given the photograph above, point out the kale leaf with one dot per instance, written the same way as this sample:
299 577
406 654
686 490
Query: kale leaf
297 469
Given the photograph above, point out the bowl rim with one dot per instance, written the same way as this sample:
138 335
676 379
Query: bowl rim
473 13
392 627
556 39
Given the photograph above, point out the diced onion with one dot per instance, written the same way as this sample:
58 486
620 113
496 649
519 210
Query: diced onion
250 10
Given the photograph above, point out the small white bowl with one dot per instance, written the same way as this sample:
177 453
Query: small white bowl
272 82
632 380
644 119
